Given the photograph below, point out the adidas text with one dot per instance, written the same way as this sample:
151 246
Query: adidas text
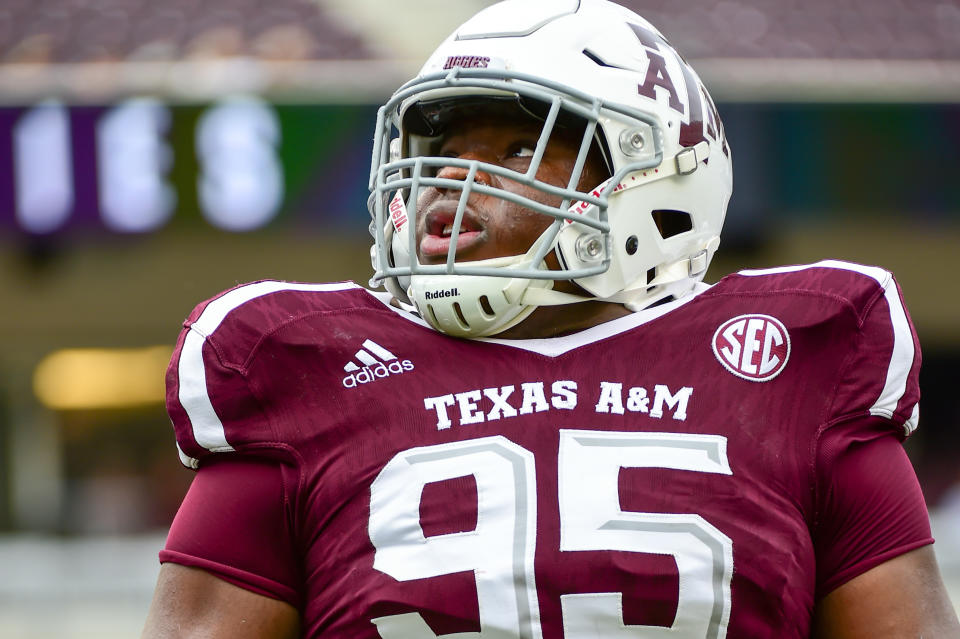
369 374
376 362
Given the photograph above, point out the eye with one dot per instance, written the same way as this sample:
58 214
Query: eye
522 151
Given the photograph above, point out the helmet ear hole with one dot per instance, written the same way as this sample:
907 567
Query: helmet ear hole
672 223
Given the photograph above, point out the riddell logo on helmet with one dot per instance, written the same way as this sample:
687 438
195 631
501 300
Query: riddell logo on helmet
378 363
398 212
467 62
436 295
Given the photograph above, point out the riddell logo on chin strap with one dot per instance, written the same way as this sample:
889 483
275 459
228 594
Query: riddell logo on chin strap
376 363
436 295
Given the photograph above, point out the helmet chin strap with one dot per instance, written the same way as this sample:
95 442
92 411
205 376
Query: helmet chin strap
525 295
502 292
636 297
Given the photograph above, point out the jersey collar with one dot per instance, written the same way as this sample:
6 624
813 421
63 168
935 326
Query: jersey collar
556 346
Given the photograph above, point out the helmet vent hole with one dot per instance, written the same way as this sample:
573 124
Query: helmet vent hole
632 245
672 223
460 318
651 274
433 315
486 306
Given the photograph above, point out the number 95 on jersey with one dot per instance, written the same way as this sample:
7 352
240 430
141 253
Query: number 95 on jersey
500 551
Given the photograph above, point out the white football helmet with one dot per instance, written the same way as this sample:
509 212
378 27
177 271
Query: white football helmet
647 233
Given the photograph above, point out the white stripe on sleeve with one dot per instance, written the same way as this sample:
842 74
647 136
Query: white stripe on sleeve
901 361
194 396
875 272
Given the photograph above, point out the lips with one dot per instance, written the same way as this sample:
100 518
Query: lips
438 231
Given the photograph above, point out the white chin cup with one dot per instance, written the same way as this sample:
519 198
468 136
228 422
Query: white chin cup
472 305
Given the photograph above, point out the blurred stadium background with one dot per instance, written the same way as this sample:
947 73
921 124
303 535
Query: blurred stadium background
153 154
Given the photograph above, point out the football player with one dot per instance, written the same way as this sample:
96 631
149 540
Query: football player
550 427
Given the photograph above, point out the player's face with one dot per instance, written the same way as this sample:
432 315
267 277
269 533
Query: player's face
493 227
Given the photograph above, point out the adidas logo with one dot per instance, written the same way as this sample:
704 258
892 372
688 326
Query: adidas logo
376 362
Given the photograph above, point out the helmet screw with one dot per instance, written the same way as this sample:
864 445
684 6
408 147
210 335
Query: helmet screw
594 247
632 244
632 142
590 248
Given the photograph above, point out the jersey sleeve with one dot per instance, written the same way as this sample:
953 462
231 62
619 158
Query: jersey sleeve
869 504
205 395
236 523
209 398
881 375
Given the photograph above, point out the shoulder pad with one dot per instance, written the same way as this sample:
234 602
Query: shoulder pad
881 374
853 284
207 392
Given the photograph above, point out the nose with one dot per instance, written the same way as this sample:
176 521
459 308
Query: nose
461 173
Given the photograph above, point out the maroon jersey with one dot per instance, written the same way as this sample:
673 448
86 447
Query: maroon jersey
698 469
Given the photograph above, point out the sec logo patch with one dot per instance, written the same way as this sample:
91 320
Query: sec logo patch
754 347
